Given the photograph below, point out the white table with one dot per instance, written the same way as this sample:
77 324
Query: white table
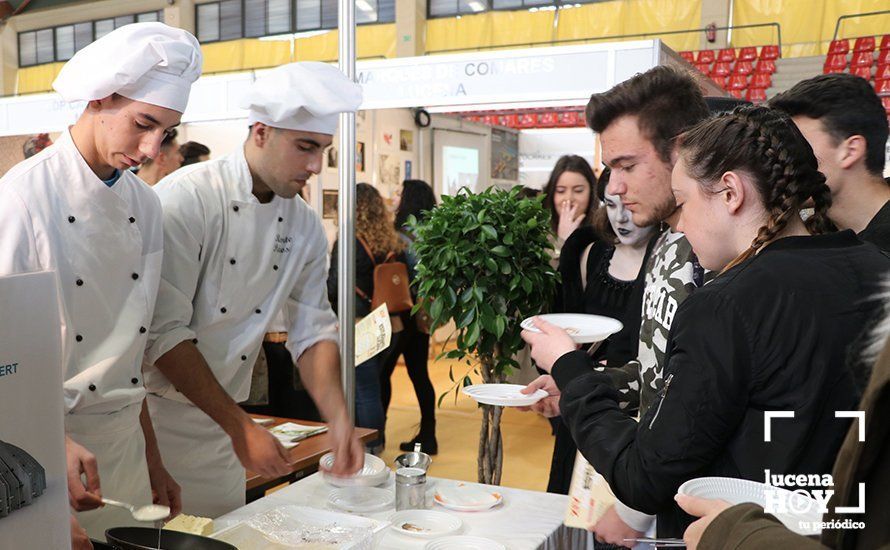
526 520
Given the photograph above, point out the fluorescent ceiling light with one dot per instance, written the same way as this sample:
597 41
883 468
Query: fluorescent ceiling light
364 6
475 5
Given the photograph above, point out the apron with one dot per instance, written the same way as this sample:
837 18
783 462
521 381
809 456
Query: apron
200 457
117 441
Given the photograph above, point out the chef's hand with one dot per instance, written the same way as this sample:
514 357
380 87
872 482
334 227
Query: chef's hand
611 529
705 508
164 489
260 451
79 538
548 406
81 462
569 220
548 345
349 452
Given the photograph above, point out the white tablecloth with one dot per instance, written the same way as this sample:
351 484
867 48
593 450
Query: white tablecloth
526 520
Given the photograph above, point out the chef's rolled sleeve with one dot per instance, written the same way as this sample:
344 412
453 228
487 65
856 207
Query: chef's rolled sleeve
183 235
311 318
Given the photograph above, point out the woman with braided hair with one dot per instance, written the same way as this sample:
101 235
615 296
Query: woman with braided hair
769 333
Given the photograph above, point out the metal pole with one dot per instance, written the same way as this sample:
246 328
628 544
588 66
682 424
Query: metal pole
346 231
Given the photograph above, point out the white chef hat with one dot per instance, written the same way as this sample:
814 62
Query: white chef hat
305 96
148 62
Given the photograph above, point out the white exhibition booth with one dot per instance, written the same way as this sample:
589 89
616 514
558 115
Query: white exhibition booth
450 152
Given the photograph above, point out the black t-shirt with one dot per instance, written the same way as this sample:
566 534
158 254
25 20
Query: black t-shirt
877 231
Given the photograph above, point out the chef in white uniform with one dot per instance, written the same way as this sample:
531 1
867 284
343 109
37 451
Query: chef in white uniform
240 246
76 208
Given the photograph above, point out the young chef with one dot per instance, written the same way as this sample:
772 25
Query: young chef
76 208
238 248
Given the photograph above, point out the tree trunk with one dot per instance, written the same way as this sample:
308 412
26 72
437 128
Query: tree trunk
491 452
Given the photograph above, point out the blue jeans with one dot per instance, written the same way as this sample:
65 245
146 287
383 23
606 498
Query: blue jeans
368 405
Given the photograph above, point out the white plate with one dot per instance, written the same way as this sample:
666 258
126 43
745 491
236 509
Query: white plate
431 524
466 498
361 500
505 395
464 542
803 514
584 329
374 472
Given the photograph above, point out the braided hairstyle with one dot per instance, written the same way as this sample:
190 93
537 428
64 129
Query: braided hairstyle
765 144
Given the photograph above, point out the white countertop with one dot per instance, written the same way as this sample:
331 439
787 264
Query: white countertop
526 520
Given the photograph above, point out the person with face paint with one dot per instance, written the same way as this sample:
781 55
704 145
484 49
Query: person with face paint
600 268
239 248
75 208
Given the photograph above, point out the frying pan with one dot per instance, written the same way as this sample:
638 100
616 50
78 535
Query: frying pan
145 538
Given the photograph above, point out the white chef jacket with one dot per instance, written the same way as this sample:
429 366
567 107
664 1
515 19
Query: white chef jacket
105 245
230 265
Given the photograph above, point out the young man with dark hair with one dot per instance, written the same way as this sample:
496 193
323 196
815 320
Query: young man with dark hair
169 160
843 119
637 121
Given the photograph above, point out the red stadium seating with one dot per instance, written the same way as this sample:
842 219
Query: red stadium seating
769 52
767 66
886 102
738 94
738 82
838 46
688 56
883 72
748 53
720 69
885 42
705 56
863 72
883 87
726 55
862 59
761 80
864 44
720 81
743 67
756 95
835 63
883 57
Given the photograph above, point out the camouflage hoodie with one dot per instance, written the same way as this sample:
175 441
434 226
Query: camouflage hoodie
672 273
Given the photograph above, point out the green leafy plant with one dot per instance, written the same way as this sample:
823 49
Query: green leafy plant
484 261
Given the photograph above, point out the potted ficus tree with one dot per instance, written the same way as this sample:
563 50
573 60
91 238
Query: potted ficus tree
484 261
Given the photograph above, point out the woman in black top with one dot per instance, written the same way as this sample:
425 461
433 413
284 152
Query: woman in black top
769 333
374 232
599 267
416 199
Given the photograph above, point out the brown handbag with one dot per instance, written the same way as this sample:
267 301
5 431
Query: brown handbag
390 283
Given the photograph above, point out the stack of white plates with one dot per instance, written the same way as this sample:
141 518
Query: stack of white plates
361 500
374 472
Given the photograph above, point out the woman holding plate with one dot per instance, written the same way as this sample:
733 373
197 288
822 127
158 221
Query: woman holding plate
600 267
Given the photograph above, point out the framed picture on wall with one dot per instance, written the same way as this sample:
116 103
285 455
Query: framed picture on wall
329 204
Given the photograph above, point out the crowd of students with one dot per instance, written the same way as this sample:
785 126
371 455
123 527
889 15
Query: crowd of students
759 291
